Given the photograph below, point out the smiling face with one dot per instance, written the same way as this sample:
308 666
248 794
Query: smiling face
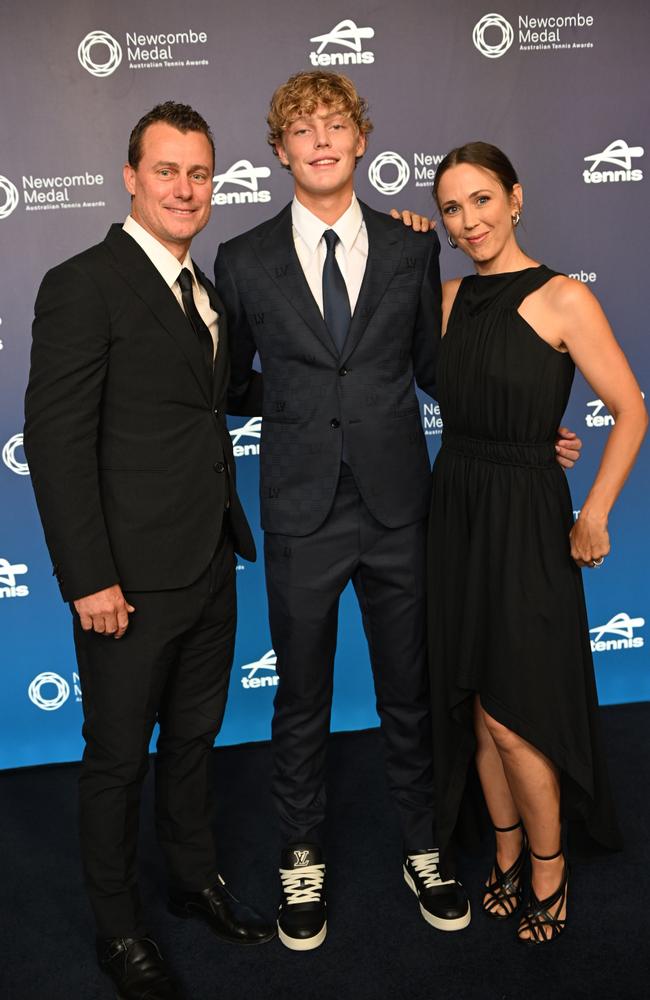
321 151
171 187
478 213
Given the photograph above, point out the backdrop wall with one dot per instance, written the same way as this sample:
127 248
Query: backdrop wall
561 86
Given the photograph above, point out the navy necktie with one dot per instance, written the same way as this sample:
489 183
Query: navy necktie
336 303
192 313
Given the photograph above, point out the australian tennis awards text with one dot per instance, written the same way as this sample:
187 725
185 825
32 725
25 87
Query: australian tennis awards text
547 31
62 191
161 47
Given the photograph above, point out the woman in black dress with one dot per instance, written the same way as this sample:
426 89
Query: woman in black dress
512 675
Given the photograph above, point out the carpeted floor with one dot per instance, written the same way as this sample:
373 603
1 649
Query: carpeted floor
378 947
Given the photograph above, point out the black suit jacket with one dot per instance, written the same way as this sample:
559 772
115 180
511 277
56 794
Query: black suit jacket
125 433
313 396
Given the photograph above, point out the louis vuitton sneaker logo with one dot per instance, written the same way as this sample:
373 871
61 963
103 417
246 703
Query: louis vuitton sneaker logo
347 35
245 175
301 859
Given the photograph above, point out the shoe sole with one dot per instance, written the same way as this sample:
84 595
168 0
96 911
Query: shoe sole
457 924
303 944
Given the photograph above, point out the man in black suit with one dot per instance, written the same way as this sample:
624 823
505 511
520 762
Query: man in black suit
134 477
343 305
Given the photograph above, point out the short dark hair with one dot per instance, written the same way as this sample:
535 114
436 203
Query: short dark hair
179 116
479 154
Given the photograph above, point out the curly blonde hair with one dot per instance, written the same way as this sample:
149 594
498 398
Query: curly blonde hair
303 92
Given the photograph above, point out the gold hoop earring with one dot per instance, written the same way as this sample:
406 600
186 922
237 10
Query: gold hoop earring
515 219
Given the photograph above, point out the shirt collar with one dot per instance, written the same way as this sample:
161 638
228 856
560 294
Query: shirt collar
310 228
168 266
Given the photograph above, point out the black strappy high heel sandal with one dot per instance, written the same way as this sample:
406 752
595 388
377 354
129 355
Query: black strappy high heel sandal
545 913
505 890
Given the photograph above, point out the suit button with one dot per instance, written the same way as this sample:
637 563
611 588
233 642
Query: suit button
334 423
344 371
216 413
218 467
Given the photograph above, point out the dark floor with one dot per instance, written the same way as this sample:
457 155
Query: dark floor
378 947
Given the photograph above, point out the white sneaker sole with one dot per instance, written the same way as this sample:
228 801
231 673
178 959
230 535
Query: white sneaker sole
458 924
303 944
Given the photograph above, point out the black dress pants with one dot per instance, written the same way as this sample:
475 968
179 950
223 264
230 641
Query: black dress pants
172 667
305 578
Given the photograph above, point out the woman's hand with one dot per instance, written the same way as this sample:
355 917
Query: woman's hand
589 540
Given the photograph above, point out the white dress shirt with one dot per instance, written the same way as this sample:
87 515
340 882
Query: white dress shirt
169 268
351 250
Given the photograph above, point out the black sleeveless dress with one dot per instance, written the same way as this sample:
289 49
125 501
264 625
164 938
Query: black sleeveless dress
507 617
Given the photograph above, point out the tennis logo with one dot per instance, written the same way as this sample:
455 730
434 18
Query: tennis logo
622 627
8 197
347 35
245 175
96 44
266 664
618 154
597 418
9 587
399 173
493 35
251 429
10 458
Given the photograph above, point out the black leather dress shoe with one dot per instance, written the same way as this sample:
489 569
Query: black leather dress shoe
225 916
137 968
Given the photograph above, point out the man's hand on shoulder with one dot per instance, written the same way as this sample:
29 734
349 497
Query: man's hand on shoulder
106 612
567 447
418 223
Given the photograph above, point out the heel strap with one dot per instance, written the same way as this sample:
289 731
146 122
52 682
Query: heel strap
546 857
508 829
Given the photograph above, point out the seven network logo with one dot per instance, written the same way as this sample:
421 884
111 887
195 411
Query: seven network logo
8 580
9 456
389 172
246 176
621 626
268 679
493 34
251 429
49 691
100 54
618 154
348 36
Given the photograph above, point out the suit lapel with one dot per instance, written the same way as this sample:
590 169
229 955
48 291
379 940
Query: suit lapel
385 244
277 253
146 282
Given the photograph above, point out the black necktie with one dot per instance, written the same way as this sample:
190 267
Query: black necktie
192 313
336 304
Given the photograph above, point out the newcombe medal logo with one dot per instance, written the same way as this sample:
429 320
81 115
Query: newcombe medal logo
389 173
10 458
99 53
8 197
493 35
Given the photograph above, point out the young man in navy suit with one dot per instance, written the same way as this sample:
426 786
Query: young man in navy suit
133 471
342 303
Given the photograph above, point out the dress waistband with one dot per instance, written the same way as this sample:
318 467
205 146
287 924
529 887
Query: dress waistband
540 455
